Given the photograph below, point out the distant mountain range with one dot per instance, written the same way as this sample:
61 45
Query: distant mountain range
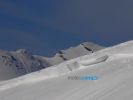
21 62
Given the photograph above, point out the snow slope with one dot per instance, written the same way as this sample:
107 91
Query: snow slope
113 66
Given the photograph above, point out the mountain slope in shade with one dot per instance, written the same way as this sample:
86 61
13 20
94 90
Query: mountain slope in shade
21 62
17 63
113 66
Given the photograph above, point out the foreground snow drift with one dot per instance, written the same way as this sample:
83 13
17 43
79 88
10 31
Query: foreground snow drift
113 67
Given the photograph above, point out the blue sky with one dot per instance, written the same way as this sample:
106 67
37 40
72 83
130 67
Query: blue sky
46 26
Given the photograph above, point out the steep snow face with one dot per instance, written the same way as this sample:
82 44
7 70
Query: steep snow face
113 67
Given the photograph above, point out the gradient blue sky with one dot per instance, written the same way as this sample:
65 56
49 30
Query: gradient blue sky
46 26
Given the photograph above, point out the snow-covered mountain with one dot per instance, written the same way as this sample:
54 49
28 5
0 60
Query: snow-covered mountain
74 52
21 62
104 75
17 63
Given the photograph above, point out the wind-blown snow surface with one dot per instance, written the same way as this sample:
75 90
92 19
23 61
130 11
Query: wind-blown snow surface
113 66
